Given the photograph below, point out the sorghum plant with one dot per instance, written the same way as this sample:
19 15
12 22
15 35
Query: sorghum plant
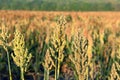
57 44
47 64
79 56
115 69
4 36
20 56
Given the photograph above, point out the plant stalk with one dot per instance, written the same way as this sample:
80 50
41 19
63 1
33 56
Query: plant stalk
22 73
57 70
46 75
9 68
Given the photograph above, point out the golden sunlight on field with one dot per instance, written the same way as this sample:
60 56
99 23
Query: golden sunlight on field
60 45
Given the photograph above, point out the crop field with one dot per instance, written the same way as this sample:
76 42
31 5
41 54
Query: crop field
41 45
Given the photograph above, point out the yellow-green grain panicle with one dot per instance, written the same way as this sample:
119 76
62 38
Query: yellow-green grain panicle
79 56
58 42
20 56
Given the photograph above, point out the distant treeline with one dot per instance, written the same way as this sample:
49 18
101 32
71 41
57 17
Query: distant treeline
57 5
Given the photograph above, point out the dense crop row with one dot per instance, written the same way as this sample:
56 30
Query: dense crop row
59 47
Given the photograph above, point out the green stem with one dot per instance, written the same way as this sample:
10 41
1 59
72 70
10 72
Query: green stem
46 75
58 70
9 68
87 74
55 70
22 73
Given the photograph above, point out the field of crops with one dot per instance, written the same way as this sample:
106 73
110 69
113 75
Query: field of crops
59 45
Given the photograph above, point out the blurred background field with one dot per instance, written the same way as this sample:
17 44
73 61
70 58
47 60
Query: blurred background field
59 40
92 36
